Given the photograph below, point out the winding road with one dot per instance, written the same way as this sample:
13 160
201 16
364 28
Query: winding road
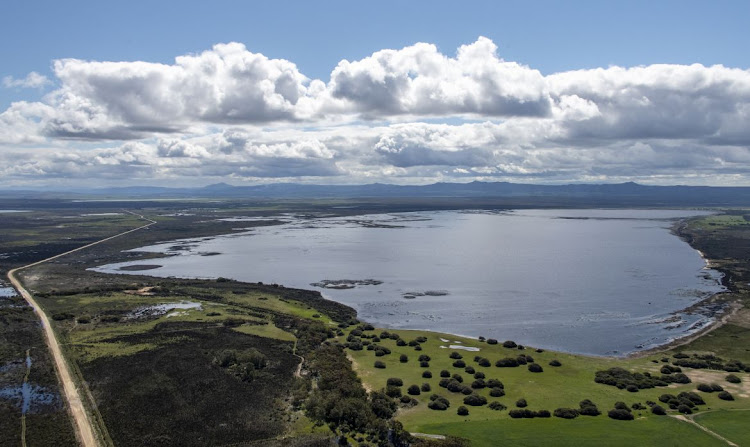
83 427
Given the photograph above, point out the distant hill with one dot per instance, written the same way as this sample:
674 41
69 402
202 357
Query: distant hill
621 194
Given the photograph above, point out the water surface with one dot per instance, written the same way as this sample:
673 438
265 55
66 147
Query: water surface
586 281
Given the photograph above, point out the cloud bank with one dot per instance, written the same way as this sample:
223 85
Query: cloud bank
411 115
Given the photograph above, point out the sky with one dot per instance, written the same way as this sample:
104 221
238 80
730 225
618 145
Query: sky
191 93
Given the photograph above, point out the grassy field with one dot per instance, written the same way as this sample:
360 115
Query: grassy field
556 387
580 432
732 425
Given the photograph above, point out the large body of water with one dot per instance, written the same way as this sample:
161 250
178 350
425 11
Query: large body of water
597 282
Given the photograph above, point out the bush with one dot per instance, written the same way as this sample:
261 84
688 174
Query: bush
459 364
494 383
497 392
424 364
491 341
414 390
478 384
535 368
521 403
379 364
733 379
462 411
470 370
400 342
427 374
484 362
684 409
438 403
424 358
479 375
519 413
506 363
566 413
455 355
457 378
403 358
83 320
695 398
715 387
632 388
475 400
658 410
555 363
445 373
588 408
638 406
621 406
405 399
392 391
395 381
418 348
509 344
426 387
725 395
497 406
621 415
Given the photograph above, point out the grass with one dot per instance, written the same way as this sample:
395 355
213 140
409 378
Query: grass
719 221
556 387
267 331
729 424
276 304
581 432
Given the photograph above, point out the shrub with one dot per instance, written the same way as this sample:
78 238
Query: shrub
638 406
470 370
725 395
521 403
379 364
555 362
491 341
478 384
539 350
497 406
459 364
426 387
475 400
421 339
424 358
83 320
667 397
684 409
506 363
692 397
394 381
455 355
392 391
417 348
621 406
438 403
479 375
733 379
658 410
535 368
509 344
424 364
457 378
405 399
427 374
681 355
445 373
521 360
588 408
413 343
632 388
462 411
400 342
403 358
715 387
494 383
706 388
497 392
466 390
621 415
566 413
414 390
542 414
484 362
521 413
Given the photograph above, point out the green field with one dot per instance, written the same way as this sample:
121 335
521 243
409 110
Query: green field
580 432
555 387
732 425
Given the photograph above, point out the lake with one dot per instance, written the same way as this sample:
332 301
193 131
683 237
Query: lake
601 282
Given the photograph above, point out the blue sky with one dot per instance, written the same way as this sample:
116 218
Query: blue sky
547 37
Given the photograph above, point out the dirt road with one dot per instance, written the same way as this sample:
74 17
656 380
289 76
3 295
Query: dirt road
83 426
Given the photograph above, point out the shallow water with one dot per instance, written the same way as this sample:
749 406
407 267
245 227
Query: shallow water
587 281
